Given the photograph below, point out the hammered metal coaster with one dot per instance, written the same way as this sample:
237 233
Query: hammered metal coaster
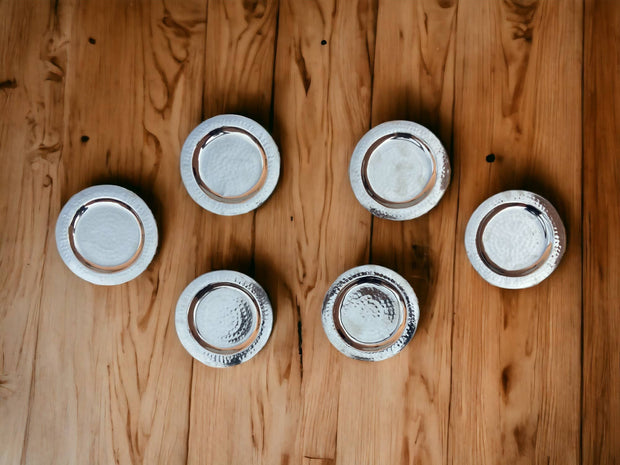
230 165
515 239
223 318
370 313
106 235
399 170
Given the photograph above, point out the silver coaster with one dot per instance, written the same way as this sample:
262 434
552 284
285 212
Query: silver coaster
223 318
106 235
370 313
230 165
515 239
399 170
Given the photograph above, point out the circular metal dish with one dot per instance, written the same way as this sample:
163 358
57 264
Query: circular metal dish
223 318
106 235
515 239
370 313
230 165
399 170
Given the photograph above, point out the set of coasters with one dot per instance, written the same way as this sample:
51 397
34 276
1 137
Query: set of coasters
230 165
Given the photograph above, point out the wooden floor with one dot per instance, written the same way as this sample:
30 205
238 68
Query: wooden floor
106 92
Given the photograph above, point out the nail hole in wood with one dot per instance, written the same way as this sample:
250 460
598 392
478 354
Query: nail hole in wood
323 42
92 41
84 138
490 157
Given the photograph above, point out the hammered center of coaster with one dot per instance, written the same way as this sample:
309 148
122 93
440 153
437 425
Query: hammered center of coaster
224 318
370 314
106 234
230 164
399 170
515 239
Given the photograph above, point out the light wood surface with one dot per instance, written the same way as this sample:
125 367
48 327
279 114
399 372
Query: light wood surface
106 92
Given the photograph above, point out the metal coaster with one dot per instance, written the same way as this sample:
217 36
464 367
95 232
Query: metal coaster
399 170
230 165
223 318
515 239
106 235
370 313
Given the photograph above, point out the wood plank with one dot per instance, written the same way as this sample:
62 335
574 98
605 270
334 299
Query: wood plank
601 223
516 354
322 107
111 382
403 402
235 412
34 41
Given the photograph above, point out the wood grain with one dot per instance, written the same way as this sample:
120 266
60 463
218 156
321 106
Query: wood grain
34 55
322 106
231 410
106 92
516 354
601 222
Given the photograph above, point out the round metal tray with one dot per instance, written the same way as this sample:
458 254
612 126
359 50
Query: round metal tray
515 239
223 318
399 170
230 165
106 235
370 313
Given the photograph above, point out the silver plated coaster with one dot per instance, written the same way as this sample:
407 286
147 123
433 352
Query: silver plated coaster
106 235
399 170
230 165
515 239
223 318
370 313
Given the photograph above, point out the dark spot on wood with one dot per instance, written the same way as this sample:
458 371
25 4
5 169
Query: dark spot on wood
446 3
8 84
427 387
490 158
92 41
420 262
303 71
321 460
174 26
518 16
84 139
406 454
286 374
520 438
323 42
254 9
506 380
55 71
299 341
291 218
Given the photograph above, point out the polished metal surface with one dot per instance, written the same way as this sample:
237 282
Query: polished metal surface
370 313
106 235
515 239
399 170
230 164
223 318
